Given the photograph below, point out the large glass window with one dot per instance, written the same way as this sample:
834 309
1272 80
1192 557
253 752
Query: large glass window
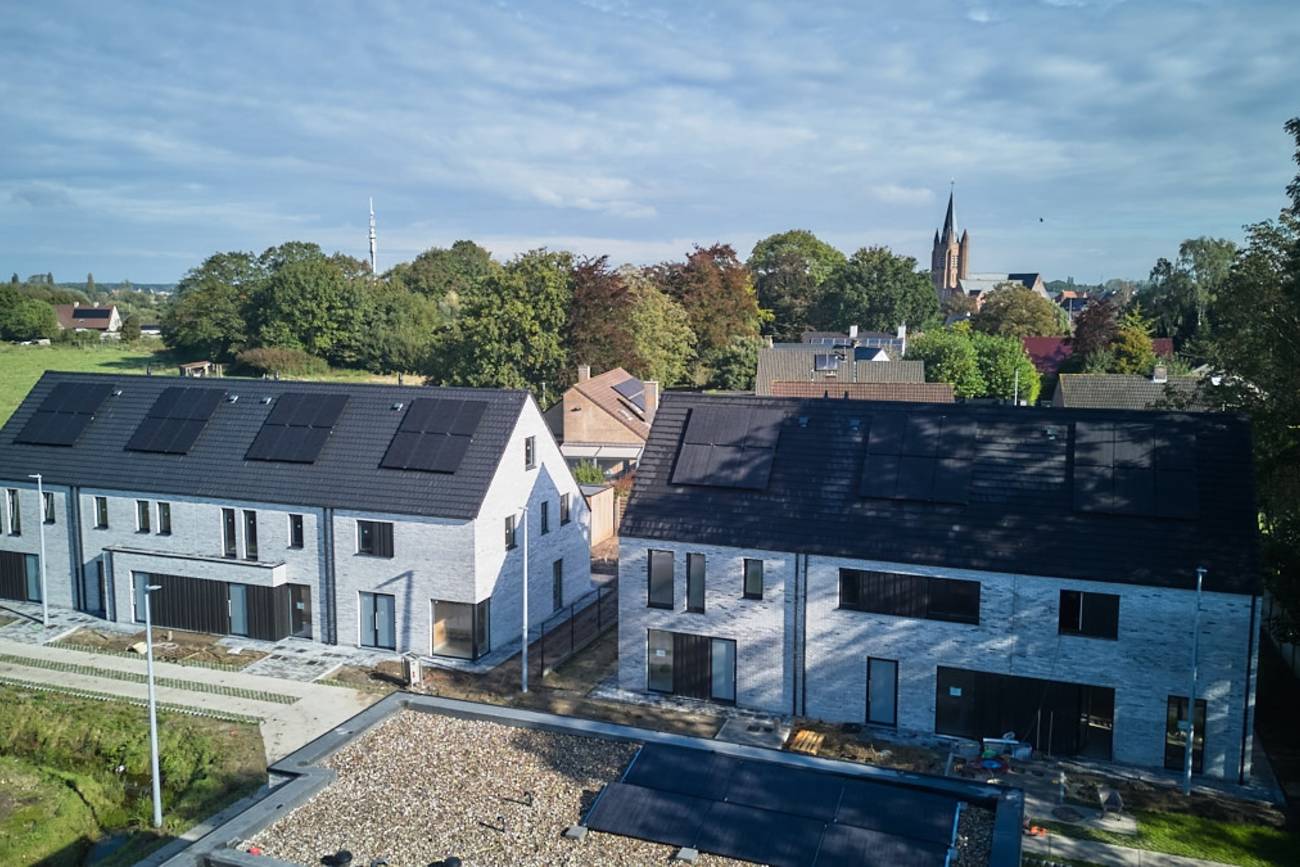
140 583
659 660
295 531
378 621
230 546
564 509
1095 615
32 573
164 519
48 507
695 583
919 596
460 629
1176 734
660 579
142 516
15 516
101 513
722 670
250 534
545 517
238 609
375 538
753 579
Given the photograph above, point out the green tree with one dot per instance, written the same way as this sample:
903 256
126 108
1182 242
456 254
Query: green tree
1012 310
789 269
207 317
662 340
447 275
949 356
14 281
1005 368
1207 261
587 473
404 330
309 303
1131 350
878 291
735 367
25 318
130 328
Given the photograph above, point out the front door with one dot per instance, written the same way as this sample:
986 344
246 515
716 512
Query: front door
300 610
691 665
1176 734
882 691
378 621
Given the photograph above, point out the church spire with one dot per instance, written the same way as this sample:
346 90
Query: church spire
949 221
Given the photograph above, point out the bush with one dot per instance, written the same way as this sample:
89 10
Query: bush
587 473
280 360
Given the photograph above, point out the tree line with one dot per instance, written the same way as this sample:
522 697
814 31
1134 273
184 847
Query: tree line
27 307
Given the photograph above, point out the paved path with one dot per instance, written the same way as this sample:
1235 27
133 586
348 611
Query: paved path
1057 846
315 709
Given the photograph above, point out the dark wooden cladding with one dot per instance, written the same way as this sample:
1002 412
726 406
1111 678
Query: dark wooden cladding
190 603
691 665
13 576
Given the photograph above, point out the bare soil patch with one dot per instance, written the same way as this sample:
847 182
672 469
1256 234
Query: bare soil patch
196 648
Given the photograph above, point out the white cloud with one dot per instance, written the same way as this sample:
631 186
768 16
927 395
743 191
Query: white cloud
897 194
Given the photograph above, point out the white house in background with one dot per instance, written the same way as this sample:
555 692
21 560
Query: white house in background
75 317
374 516
960 570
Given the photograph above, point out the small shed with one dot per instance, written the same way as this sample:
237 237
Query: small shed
200 368
602 503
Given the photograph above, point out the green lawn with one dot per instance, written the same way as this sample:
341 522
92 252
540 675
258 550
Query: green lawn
75 770
1182 834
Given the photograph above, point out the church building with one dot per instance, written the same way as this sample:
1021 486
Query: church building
950 266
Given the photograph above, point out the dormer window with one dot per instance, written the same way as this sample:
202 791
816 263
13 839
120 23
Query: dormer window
826 362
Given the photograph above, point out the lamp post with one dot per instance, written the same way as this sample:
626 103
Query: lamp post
524 658
40 525
153 705
1191 698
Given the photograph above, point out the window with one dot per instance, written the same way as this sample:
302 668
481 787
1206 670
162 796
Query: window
697 666
826 362
753 579
695 583
101 513
546 517
140 580
510 533
250 534
48 507
378 621
564 509
230 547
557 585
32 574
460 629
660 579
164 519
375 538
295 531
530 452
15 517
1176 735
1095 615
947 599
659 660
142 516
722 669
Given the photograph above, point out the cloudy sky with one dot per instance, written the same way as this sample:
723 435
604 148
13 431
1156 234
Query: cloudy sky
1085 138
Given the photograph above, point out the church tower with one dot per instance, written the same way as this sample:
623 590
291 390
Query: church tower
950 257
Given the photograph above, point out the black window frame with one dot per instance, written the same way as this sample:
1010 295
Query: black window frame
229 534
565 509
544 517
557 584
297 538
747 591
250 534
901 594
1088 614
101 513
375 538
696 584
15 518
653 555
143 518
530 453
48 514
480 628
511 533
164 518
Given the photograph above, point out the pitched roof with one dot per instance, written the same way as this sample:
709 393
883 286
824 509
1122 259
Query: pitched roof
916 392
1019 516
974 284
600 390
796 362
1125 391
345 474
74 316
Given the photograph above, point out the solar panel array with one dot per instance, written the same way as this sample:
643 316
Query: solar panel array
434 435
297 428
64 414
773 813
175 420
728 447
633 390
918 456
1135 469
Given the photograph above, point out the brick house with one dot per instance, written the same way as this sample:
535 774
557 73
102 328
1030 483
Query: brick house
606 418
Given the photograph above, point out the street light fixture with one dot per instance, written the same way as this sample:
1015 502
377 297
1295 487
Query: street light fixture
40 526
153 705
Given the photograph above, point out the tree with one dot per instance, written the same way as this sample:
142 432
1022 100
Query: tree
25 318
1094 329
207 315
14 281
663 344
309 303
49 279
1131 350
1171 296
1012 310
587 473
1207 261
735 367
959 305
789 269
446 275
949 356
130 328
404 330
717 292
1005 368
599 331
878 291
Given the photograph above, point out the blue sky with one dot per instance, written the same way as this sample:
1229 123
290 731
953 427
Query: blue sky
1085 138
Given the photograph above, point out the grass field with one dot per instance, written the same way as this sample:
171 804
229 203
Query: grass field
1196 837
22 366
74 771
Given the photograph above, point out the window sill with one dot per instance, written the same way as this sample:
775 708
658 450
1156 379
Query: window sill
374 556
1086 635
752 598
660 606
695 611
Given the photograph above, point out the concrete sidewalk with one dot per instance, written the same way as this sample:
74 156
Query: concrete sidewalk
315 709
1055 846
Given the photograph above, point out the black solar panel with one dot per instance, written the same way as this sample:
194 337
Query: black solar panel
879 807
845 845
297 427
728 447
917 456
633 390
64 414
752 834
796 791
175 420
690 772
1134 469
434 435
648 814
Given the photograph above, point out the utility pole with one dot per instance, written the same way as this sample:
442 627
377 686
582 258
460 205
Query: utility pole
40 524
153 705
523 668
1191 698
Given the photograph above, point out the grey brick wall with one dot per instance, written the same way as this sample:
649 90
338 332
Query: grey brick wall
58 536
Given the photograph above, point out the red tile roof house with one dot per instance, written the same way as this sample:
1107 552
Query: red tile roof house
105 320
1049 353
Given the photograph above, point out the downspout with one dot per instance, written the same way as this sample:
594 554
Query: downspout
794 644
803 643
1245 704
78 561
331 602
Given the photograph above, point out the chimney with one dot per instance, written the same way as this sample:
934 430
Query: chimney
76 303
902 331
1160 374
853 332
584 372
651 400
769 341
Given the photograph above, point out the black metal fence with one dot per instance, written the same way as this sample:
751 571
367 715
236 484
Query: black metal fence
574 627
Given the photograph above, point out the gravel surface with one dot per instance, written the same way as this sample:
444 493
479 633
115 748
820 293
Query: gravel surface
974 837
422 786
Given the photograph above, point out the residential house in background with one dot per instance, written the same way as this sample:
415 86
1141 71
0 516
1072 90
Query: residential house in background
1073 302
75 317
950 266
375 516
604 419
960 570
831 365
915 392
1128 391
894 345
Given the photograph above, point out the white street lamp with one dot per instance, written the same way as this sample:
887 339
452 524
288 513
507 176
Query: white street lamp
153 705
524 658
1191 698
40 525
